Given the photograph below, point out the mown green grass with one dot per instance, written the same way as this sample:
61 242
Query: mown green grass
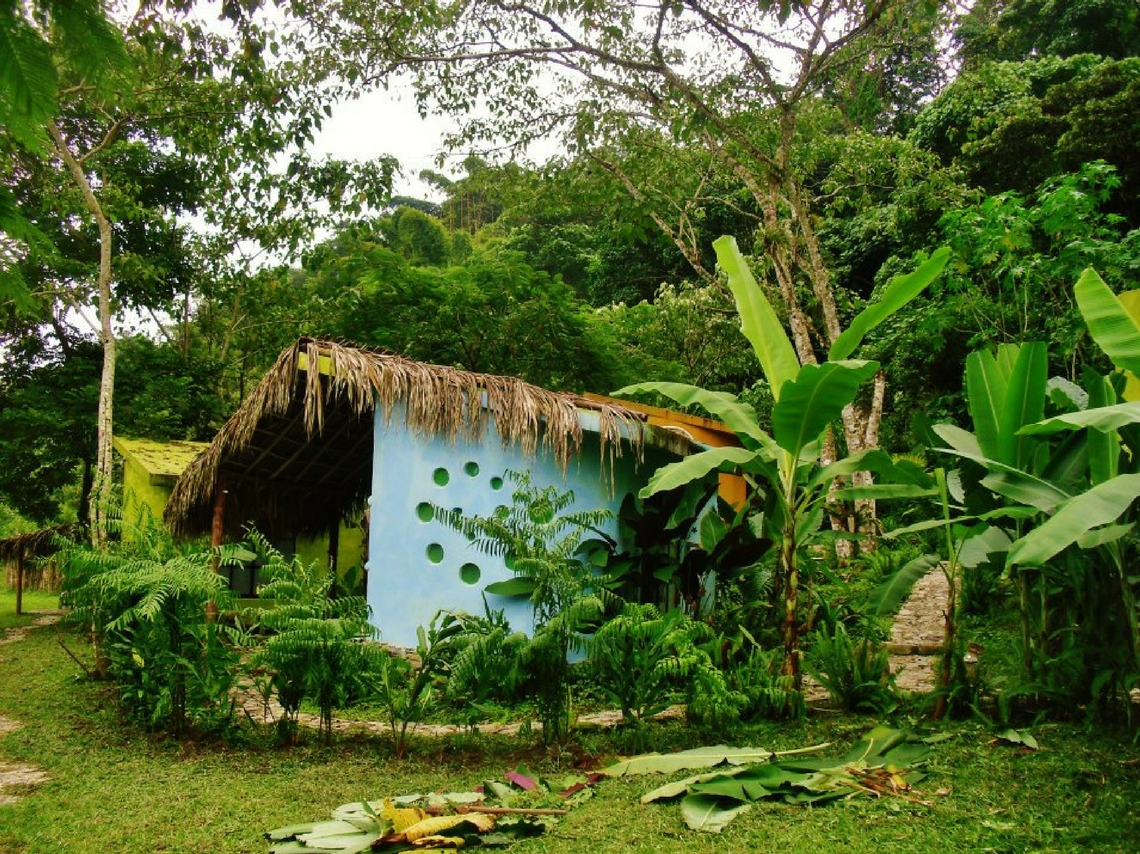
32 601
113 789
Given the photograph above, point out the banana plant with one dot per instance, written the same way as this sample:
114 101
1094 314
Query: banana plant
789 479
1067 488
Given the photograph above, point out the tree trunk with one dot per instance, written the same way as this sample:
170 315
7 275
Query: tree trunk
102 480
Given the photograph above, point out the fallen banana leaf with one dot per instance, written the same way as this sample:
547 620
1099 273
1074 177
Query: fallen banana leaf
345 843
700 757
295 847
404 822
680 787
283 833
327 828
880 763
1018 737
708 814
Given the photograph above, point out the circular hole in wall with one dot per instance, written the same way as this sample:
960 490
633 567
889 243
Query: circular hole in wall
435 553
424 511
471 469
496 483
469 573
441 476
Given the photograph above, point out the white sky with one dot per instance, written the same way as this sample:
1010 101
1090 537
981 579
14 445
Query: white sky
386 122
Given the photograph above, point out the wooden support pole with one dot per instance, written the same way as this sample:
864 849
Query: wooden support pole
217 530
334 545
20 581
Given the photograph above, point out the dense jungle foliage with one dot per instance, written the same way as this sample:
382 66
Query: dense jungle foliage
165 233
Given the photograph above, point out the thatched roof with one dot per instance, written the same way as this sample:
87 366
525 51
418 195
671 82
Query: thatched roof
297 455
35 544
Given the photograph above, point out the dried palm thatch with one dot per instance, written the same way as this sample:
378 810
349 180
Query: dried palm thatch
297 456
37 543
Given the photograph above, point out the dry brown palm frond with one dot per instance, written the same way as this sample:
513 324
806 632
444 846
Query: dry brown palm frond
272 470
37 543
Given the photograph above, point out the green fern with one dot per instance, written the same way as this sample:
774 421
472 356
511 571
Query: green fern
144 606
486 664
644 661
313 649
540 539
856 672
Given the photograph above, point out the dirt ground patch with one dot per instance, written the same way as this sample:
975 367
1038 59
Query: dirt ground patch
16 778
17 635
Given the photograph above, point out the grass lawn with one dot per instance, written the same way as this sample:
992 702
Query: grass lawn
114 789
32 601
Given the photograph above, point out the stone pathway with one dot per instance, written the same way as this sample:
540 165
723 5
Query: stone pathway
18 776
261 712
916 636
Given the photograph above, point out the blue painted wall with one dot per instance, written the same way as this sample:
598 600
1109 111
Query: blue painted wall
416 565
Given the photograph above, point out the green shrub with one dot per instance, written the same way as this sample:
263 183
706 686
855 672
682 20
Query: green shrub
314 647
403 689
644 660
766 693
485 665
144 604
855 671
541 537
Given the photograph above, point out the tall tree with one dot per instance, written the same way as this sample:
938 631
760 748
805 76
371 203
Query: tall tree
224 97
731 81
1020 29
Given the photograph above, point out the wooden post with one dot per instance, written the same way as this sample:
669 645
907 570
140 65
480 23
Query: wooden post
334 545
20 581
217 529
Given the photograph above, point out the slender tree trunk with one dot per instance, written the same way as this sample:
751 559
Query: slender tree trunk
105 417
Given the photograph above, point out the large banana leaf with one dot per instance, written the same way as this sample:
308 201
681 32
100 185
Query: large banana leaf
1110 323
986 388
884 491
701 757
1024 403
1013 513
708 813
899 292
814 399
1013 483
1025 488
758 320
1105 419
889 595
739 417
1101 505
1103 448
1104 536
1131 302
1067 465
695 467
959 441
873 460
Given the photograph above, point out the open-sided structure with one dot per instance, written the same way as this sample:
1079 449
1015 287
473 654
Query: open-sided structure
333 431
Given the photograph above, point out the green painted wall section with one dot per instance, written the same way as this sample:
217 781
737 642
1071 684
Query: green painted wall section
150 469
141 498
350 551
